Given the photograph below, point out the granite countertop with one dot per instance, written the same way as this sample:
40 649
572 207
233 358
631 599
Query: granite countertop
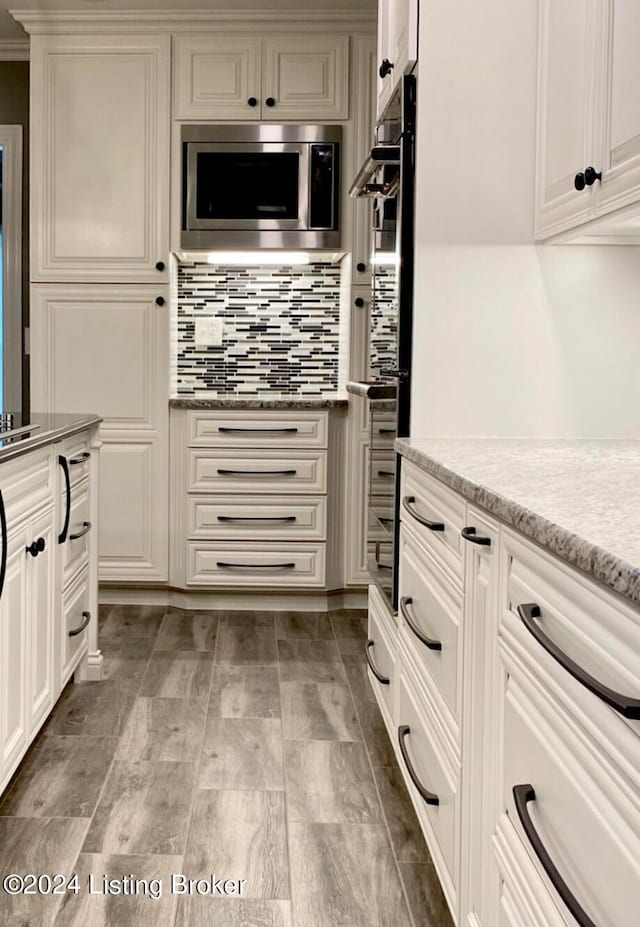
257 402
579 499
52 427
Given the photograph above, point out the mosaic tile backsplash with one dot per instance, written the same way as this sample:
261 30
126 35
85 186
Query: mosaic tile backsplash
281 331
383 324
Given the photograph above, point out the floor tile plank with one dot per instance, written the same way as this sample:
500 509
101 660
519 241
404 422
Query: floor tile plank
323 711
177 675
245 692
303 626
406 836
310 661
188 630
424 894
163 729
222 912
244 753
129 622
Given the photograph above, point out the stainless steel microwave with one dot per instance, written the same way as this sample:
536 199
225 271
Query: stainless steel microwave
252 186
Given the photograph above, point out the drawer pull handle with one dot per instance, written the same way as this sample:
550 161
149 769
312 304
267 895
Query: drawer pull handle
405 601
3 531
383 680
469 534
269 518
388 473
408 502
86 528
80 459
224 472
627 707
258 431
430 797
86 616
522 795
255 566
64 463
386 431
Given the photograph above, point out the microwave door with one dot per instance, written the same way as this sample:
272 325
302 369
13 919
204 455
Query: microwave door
255 186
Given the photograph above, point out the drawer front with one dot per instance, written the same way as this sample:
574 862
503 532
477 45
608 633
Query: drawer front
263 428
75 620
426 499
255 565
270 519
430 613
255 471
75 550
77 450
380 650
382 472
26 483
427 757
588 824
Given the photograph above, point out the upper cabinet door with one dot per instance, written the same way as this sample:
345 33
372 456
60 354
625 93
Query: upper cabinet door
385 66
619 160
404 43
305 77
100 157
217 77
566 92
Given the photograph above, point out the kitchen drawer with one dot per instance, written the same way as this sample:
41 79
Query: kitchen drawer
589 626
426 499
26 483
380 651
75 621
252 564
262 517
77 450
257 471
432 768
430 615
588 824
382 472
75 550
262 428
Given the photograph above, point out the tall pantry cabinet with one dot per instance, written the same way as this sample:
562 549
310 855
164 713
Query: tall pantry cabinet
100 147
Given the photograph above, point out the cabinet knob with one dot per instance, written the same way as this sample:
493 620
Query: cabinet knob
359 302
160 265
270 101
252 101
36 547
159 300
385 68
579 181
591 175
361 267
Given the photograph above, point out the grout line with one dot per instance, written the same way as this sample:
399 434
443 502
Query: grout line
284 779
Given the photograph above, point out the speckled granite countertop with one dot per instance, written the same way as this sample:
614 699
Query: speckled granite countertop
51 427
257 403
580 499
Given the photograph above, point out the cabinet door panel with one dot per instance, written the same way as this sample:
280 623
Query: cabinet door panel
100 157
41 624
215 75
405 36
13 657
307 76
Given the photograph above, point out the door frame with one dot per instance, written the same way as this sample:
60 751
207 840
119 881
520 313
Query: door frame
11 142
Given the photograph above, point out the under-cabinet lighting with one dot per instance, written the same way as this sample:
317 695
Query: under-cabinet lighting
251 258
385 259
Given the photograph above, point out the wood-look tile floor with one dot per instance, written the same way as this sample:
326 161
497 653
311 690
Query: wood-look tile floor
241 744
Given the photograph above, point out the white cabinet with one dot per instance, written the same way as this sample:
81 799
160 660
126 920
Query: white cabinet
304 77
14 626
397 44
100 127
41 627
588 148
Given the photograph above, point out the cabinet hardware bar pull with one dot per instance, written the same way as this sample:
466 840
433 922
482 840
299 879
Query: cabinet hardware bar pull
223 472
3 531
469 534
62 537
407 502
259 431
405 601
385 521
86 528
275 518
522 795
386 431
388 473
627 707
255 566
81 458
429 797
87 618
383 680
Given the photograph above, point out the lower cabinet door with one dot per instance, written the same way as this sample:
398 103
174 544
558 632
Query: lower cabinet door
13 656
41 585
380 653
76 618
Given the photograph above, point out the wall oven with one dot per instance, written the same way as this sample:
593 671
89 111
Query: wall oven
387 177
273 186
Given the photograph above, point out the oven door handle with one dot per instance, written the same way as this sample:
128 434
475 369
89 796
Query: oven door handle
379 156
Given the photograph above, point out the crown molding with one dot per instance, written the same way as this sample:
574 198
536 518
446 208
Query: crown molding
38 22
14 49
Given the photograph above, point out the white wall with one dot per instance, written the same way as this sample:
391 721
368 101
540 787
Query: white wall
509 338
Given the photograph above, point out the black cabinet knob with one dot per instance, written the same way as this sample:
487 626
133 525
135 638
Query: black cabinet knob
385 68
361 267
359 302
159 300
579 181
36 547
252 101
591 175
160 265
270 101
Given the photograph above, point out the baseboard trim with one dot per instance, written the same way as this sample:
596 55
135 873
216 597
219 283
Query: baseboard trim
194 600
